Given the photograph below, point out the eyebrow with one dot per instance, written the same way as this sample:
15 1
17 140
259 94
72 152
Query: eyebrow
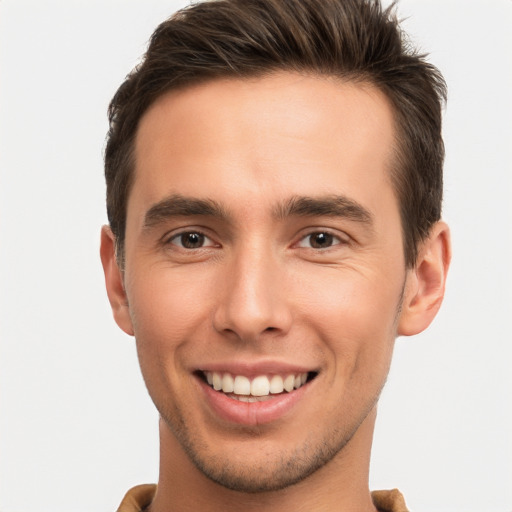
329 206
177 205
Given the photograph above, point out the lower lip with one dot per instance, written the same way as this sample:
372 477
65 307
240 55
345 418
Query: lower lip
252 413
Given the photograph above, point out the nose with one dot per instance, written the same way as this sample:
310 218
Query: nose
253 300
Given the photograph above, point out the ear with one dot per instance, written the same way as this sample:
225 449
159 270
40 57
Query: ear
114 281
424 290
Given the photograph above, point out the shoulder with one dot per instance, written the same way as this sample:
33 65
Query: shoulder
137 498
389 501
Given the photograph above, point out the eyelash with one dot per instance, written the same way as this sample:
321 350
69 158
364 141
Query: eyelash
334 240
179 236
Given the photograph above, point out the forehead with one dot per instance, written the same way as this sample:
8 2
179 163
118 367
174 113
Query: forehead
280 134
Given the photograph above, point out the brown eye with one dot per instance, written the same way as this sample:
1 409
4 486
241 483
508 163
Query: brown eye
191 240
319 240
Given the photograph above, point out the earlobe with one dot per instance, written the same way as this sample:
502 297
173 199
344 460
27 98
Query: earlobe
425 284
114 281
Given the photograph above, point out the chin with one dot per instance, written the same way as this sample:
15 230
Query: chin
264 475
255 466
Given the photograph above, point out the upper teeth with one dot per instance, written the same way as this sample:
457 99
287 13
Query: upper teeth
258 386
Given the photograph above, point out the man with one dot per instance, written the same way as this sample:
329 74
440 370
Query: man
274 183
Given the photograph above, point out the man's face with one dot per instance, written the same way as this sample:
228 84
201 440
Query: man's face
263 247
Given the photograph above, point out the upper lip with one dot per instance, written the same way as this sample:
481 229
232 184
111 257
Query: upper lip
253 369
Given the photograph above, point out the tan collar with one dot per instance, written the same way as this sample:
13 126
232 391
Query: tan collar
139 497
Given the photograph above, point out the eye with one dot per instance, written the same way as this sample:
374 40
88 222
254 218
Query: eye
191 240
319 240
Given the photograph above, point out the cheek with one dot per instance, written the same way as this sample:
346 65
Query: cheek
167 298
355 315
165 313
351 300
167 308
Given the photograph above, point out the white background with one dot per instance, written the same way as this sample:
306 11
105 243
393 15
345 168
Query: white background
76 426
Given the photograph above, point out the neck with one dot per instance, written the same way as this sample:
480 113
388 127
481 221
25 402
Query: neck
342 484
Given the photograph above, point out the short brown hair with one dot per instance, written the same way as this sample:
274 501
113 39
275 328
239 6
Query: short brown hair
355 40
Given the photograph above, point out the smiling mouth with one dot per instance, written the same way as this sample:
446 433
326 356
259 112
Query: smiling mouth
257 389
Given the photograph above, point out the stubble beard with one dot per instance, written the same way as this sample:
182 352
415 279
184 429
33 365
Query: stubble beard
277 470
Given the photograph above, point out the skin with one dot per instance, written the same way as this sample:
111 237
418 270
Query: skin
269 284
